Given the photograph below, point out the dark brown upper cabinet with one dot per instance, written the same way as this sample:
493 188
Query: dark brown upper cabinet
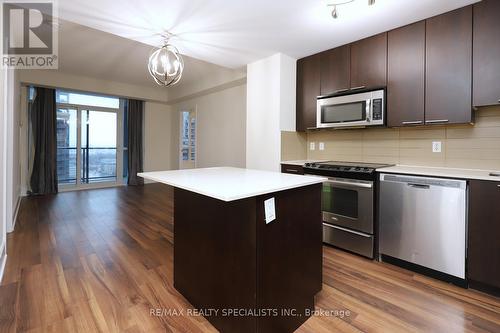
484 227
406 75
448 69
335 70
369 62
308 89
486 66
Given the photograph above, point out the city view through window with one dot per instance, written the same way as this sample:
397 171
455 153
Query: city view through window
86 138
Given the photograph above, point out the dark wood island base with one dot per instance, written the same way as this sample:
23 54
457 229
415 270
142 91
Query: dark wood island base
246 275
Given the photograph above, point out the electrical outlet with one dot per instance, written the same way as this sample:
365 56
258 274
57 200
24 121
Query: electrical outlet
321 146
436 146
312 146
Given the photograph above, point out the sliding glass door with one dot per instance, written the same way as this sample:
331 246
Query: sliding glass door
89 145
67 145
98 146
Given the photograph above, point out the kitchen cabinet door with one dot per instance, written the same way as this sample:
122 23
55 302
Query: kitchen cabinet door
291 168
406 75
369 62
335 70
308 89
448 87
486 56
484 232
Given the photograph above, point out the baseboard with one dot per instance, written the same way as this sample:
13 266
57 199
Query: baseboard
14 216
3 261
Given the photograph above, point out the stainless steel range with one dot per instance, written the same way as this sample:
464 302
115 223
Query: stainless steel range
348 202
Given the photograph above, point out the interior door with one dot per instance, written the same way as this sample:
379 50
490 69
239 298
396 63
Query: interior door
187 149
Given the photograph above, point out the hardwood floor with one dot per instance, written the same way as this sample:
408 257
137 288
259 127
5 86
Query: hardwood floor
101 260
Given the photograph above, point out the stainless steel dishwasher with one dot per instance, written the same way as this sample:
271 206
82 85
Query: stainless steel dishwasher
423 221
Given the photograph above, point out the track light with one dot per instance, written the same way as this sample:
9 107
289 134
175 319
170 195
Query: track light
371 2
334 12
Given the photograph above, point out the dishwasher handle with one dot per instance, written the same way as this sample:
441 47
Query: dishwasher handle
421 186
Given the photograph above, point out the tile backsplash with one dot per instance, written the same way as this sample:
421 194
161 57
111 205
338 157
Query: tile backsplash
462 146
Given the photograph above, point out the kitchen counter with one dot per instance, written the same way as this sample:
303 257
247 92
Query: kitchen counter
301 162
235 231
442 172
228 184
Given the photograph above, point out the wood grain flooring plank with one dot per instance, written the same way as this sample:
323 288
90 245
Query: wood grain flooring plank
101 260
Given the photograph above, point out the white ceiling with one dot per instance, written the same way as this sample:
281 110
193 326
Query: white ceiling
233 33
94 53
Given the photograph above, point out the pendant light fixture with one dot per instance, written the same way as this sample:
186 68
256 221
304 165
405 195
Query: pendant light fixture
166 64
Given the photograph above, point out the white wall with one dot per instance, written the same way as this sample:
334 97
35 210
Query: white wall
220 127
158 137
13 172
59 79
3 189
270 109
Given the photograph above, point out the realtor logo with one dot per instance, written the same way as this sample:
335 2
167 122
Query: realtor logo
29 35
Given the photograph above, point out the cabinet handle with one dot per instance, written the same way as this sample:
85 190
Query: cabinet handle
498 186
356 88
291 170
436 121
346 230
416 122
495 174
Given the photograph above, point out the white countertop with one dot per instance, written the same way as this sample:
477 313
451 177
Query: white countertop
301 162
228 184
442 172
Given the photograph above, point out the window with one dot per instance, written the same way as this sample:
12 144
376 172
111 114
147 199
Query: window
188 140
66 145
90 133
76 98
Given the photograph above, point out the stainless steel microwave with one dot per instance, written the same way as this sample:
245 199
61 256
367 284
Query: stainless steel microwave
352 109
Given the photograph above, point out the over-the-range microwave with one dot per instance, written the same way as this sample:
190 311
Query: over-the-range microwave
351 109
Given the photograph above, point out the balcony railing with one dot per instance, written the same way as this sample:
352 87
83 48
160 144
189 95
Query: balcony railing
98 164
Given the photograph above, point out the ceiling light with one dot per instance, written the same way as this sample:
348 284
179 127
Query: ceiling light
334 12
165 64
334 4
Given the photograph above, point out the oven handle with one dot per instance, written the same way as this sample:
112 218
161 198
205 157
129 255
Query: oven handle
346 230
353 184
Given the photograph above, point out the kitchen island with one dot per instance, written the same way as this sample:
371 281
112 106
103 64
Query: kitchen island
247 245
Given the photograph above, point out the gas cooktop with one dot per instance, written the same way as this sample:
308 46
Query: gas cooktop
355 170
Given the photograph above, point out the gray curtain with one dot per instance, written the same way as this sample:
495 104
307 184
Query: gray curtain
135 111
43 120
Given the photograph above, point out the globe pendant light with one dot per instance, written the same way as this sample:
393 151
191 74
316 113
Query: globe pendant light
166 65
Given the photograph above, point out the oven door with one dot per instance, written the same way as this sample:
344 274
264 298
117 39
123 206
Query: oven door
348 203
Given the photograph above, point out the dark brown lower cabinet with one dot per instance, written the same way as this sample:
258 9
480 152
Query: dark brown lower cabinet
483 262
250 274
291 168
